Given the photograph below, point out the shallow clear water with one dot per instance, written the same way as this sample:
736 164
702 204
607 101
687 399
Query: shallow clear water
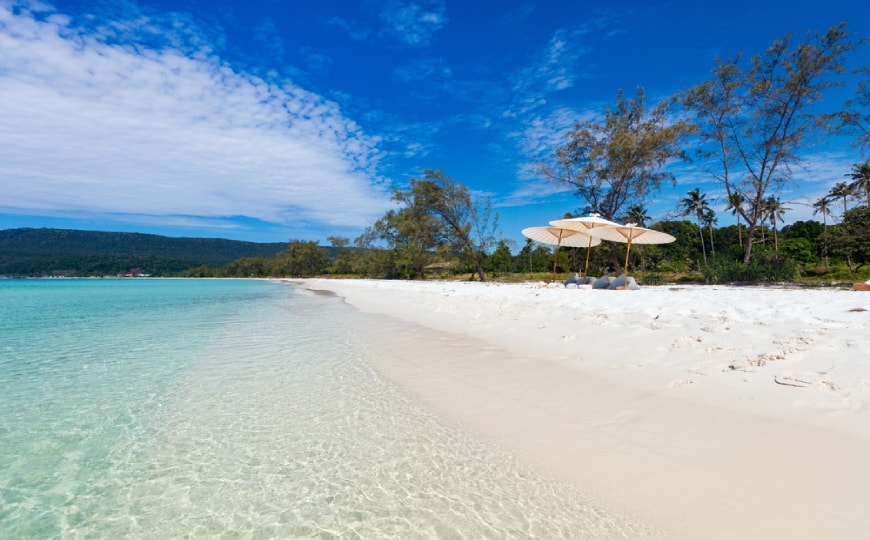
231 408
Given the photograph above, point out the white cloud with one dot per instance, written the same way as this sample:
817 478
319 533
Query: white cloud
97 125
555 67
412 21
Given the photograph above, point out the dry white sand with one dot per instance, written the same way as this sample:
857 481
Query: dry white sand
709 412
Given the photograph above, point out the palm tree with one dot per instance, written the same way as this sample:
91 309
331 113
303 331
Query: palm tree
823 206
710 220
636 213
774 211
860 176
735 204
696 204
842 191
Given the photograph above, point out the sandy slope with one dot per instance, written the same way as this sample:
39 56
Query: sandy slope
713 412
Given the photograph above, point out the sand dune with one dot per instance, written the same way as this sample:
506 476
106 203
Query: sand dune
711 412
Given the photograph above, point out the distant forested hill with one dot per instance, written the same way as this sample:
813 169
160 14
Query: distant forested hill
34 252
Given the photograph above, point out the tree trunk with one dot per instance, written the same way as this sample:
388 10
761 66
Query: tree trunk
747 251
479 267
703 247
825 247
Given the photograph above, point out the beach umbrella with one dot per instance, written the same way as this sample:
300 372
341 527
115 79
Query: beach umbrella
559 236
583 224
631 234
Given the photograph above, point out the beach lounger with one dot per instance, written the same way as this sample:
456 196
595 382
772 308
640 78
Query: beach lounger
624 283
603 282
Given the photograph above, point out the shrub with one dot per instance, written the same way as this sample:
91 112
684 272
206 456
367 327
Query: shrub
765 267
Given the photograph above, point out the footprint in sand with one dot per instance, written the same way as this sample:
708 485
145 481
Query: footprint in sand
685 342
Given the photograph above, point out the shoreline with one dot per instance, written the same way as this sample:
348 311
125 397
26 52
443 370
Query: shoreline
706 411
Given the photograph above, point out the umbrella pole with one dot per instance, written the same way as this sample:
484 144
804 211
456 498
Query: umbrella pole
627 251
555 259
586 270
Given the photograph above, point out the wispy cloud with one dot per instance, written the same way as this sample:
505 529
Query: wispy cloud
413 22
266 35
517 15
555 66
425 70
353 29
109 121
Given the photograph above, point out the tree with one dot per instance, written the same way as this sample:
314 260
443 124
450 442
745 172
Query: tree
248 267
617 162
695 204
851 238
436 214
500 260
860 176
774 211
756 119
842 190
855 116
636 213
800 250
302 259
467 225
409 233
823 206
735 204
530 244
343 263
709 219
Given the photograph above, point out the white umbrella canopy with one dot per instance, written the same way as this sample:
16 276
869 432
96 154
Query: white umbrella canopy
584 224
631 234
559 236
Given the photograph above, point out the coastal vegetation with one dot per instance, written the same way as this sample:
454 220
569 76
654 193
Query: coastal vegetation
804 251
46 252
743 131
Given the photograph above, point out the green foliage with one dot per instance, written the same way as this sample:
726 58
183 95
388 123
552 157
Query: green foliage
800 250
249 267
652 278
728 267
617 163
437 219
343 262
851 238
302 259
500 261
811 230
860 175
756 119
36 252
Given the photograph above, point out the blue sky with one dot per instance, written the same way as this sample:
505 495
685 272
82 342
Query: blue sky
270 120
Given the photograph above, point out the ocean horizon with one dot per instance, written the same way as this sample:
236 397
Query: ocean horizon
240 408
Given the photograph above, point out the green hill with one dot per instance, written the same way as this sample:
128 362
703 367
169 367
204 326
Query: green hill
39 252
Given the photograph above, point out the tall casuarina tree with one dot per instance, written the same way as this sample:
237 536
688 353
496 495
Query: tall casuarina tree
756 118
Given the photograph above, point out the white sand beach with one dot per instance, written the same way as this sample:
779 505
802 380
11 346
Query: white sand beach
709 412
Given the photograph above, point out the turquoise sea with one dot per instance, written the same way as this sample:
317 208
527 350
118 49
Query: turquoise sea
158 408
